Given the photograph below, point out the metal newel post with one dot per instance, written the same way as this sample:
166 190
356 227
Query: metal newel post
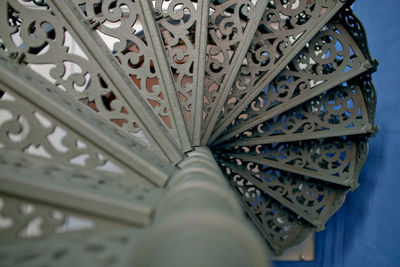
200 222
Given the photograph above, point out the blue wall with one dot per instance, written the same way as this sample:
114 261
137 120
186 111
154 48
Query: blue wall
365 232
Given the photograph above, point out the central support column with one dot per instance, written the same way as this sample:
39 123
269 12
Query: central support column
200 222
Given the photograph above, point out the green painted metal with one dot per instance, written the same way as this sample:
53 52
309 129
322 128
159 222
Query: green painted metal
331 58
121 199
231 45
197 208
108 248
277 41
51 55
104 105
151 80
336 160
319 117
44 106
301 193
184 26
280 227
28 221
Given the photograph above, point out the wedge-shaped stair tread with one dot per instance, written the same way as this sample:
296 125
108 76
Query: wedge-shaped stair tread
104 103
278 225
314 201
332 57
346 109
96 249
24 219
26 129
183 27
120 199
133 37
284 29
337 160
44 40
232 24
42 117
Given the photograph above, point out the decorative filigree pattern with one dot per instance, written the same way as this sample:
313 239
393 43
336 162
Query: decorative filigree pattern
227 26
120 24
36 37
329 58
333 159
70 114
279 226
123 200
280 90
339 111
280 28
179 24
23 219
369 94
283 29
113 248
26 128
312 200
182 26
355 28
230 24
18 219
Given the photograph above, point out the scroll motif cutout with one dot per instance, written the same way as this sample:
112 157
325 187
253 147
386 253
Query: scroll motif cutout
177 21
279 226
35 37
20 219
331 54
183 26
339 111
312 200
228 24
100 249
282 25
333 160
120 25
291 151
26 129
24 219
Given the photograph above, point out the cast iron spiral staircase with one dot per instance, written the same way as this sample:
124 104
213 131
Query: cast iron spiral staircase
109 110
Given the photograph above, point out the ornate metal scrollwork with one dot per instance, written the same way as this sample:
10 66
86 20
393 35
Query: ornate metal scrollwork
346 109
332 159
35 36
27 129
183 25
331 54
38 37
314 201
124 27
25 220
72 191
283 30
107 108
230 26
279 226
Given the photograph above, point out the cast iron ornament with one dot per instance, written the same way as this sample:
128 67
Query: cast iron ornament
113 112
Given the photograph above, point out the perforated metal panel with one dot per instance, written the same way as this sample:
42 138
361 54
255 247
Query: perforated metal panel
109 110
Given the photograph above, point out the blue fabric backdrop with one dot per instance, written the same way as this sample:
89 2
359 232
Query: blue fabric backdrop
365 231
